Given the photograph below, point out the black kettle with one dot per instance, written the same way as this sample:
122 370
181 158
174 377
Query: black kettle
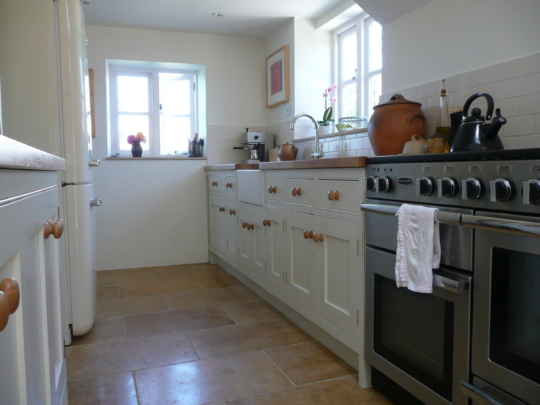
473 133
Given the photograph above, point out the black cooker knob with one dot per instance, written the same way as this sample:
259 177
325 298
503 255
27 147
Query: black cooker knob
424 186
471 188
501 190
447 187
531 191
383 184
370 183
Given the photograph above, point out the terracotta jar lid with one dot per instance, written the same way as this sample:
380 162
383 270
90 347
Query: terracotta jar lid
397 99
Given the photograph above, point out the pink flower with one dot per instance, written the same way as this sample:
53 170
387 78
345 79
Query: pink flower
130 139
334 99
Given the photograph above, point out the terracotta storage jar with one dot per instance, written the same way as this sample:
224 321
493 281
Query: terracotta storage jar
393 123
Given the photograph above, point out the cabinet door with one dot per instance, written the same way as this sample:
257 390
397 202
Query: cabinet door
301 279
232 228
258 234
218 223
31 344
277 248
245 241
339 274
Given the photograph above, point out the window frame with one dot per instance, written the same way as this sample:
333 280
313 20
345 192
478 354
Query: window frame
154 122
360 25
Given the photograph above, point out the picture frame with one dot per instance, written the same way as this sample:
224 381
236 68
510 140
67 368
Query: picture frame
277 77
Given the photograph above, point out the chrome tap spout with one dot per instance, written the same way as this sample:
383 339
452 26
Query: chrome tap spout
317 150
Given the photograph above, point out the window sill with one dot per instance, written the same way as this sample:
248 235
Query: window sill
156 158
353 131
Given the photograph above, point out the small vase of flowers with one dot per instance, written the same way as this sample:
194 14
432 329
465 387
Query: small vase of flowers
329 97
135 141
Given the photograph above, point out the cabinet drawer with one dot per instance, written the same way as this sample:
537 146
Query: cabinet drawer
339 195
277 184
216 184
305 191
230 185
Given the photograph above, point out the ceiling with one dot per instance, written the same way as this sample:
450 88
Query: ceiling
242 18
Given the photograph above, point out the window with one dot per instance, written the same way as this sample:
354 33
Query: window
359 67
159 103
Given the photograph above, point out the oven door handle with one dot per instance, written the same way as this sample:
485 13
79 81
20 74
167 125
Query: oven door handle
502 225
455 286
443 217
477 395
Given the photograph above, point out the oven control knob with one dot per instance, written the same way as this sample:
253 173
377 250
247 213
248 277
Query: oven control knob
383 184
501 190
370 183
471 189
531 192
424 186
447 187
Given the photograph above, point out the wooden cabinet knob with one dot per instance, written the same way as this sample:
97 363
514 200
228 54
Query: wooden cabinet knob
267 222
228 185
214 183
244 224
221 209
4 310
232 212
316 237
321 237
296 191
306 234
47 229
58 228
272 189
10 287
333 195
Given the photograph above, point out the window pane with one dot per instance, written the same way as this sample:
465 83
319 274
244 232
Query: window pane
132 94
130 125
348 56
175 94
175 132
374 92
348 103
375 45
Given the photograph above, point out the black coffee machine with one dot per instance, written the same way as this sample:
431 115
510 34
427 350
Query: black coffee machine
258 144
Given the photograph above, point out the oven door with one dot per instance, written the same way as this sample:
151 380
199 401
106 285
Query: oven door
506 316
418 340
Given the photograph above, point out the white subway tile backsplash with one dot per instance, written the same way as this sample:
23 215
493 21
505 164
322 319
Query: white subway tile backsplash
454 83
524 125
476 78
366 143
509 107
532 141
538 124
510 142
529 65
504 71
434 104
520 86
412 93
458 98
495 90
221 128
356 143
430 89
529 104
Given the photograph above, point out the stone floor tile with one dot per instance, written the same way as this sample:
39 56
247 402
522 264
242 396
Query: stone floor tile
219 281
108 293
132 306
211 298
252 311
208 381
104 330
176 321
127 355
115 389
188 271
159 287
230 340
342 391
309 362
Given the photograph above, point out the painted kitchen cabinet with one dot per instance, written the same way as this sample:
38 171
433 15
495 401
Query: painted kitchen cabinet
32 362
277 249
252 242
218 223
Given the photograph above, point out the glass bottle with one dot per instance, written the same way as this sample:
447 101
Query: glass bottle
443 120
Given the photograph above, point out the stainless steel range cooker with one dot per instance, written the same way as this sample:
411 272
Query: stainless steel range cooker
479 336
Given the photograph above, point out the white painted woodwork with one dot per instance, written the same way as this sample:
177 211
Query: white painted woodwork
33 369
231 190
308 187
279 195
245 241
216 184
250 186
232 228
349 194
302 259
276 249
218 223
339 274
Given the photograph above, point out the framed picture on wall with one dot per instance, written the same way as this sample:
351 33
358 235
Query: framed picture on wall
277 77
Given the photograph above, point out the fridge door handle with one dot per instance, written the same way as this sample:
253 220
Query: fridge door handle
94 163
95 203
477 395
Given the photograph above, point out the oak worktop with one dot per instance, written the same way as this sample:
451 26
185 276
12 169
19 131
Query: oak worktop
330 163
233 166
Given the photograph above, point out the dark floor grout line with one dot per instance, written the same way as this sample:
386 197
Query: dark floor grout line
232 317
136 388
168 302
279 368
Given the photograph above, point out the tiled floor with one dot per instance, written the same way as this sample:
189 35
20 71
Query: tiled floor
193 334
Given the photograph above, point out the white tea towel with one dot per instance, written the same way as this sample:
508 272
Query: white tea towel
418 247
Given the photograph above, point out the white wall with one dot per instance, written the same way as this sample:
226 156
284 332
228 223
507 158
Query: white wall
280 37
445 38
30 112
155 212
